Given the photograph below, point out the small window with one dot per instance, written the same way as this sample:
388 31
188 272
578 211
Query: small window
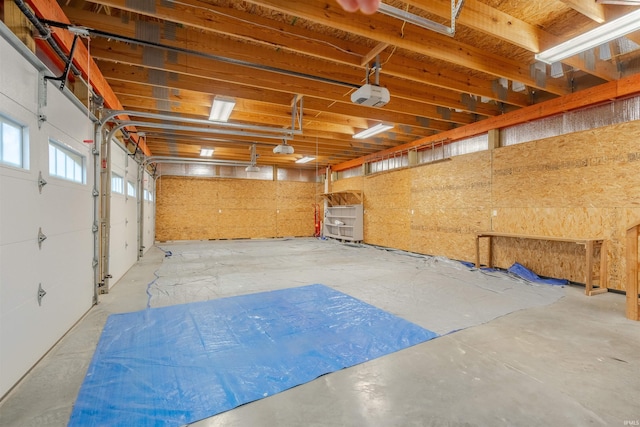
13 146
131 189
148 196
65 163
117 183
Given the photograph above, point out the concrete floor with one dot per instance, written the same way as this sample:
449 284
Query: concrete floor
526 355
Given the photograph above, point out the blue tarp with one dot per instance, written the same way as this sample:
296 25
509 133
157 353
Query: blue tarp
523 272
175 365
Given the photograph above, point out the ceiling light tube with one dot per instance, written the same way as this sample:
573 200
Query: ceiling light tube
206 152
413 19
305 159
221 108
374 130
591 39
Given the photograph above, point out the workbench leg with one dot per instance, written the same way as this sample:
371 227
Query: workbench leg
633 305
603 279
588 274
477 252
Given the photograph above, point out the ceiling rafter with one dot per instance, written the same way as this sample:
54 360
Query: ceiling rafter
382 29
588 8
266 53
493 22
298 42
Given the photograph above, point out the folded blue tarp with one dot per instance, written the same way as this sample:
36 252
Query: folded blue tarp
523 272
175 365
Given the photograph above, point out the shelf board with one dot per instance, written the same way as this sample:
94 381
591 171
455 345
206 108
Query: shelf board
338 198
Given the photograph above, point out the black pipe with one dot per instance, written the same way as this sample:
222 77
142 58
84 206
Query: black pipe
223 59
45 33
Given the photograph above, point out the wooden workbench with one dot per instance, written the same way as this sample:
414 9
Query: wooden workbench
591 246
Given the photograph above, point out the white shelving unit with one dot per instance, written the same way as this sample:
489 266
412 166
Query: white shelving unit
344 222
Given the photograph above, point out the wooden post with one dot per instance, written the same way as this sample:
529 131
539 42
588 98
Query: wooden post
588 279
633 311
494 138
19 24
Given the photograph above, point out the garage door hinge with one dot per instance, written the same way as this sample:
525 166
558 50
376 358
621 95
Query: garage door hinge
41 182
41 238
41 294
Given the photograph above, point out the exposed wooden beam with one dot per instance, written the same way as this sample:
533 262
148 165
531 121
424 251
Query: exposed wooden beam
588 8
134 81
603 93
312 85
202 76
297 40
432 79
427 43
366 59
493 22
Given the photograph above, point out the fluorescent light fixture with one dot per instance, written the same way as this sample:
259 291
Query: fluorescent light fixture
221 108
305 159
423 22
206 152
374 130
252 168
591 39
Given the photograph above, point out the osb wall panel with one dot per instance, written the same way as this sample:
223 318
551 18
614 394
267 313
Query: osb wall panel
386 209
448 232
354 183
205 208
450 202
296 205
585 184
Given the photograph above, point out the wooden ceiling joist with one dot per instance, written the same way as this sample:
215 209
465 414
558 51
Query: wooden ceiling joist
175 57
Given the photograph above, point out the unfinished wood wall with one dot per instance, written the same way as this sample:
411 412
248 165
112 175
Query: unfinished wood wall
387 221
450 201
584 184
354 183
213 208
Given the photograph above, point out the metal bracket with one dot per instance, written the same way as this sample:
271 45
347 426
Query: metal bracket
403 15
41 182
41 237
41 294
63 77
95 227
42 98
